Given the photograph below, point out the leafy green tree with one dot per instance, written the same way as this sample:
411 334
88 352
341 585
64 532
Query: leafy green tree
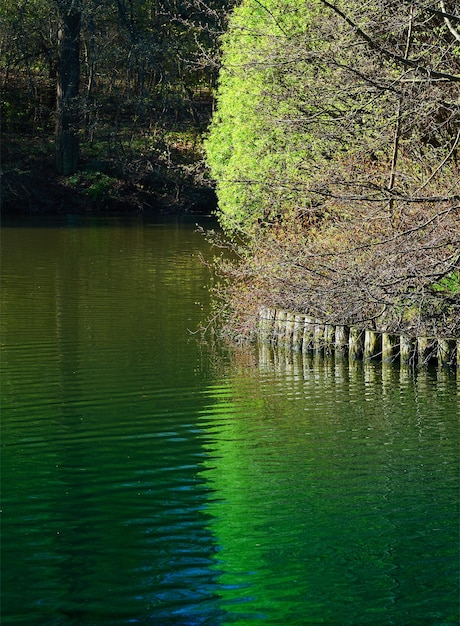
335 152
322 104
247 151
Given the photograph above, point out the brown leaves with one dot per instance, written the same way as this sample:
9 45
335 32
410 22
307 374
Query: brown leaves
362 271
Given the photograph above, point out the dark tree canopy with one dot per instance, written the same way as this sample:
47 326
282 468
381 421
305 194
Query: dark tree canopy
123 70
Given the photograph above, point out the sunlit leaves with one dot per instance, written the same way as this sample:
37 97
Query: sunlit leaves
337 152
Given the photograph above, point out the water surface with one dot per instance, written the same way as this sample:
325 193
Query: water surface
148 478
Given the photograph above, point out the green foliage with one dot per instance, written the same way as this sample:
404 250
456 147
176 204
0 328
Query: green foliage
310 112
282 111
147 67
332 132
448 285
250 154
95 185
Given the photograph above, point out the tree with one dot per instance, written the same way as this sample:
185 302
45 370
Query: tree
68 111
335 152
125 70
304 90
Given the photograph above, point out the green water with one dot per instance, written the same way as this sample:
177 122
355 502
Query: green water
148 478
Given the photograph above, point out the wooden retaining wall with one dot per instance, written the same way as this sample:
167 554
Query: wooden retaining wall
303 333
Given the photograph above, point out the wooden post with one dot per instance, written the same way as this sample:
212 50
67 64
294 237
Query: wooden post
372 344
318 337
308 332
297 335
289 330
341 339
262 317
445 352
282 327
355 343
406 350
424 350
266 323
329 338
389 344
302 333
279 325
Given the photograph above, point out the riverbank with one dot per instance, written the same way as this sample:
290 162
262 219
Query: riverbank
400 280
103 184
299 332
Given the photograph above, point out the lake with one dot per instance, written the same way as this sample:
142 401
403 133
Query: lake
150 477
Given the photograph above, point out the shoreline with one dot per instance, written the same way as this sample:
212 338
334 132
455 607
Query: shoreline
300 333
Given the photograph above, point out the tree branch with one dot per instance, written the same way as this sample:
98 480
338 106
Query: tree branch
388 53
448 23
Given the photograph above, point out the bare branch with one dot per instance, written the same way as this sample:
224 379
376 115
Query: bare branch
448 23
388 53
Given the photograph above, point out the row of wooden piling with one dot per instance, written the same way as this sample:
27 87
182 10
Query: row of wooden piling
303 333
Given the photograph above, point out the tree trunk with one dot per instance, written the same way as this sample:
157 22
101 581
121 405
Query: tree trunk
68 82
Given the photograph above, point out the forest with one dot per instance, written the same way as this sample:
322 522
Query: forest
329 132
104 103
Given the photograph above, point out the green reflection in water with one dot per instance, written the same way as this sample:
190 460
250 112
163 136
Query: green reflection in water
337 492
